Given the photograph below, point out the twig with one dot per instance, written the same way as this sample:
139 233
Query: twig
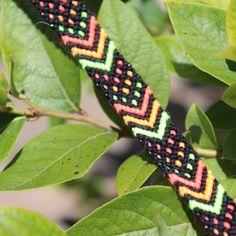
208 153
35 112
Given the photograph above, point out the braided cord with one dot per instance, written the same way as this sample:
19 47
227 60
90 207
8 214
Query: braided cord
133 99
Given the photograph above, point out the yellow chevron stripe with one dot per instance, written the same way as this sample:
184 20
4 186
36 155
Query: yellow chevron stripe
216 207
159 133
98 54
206 195
150 122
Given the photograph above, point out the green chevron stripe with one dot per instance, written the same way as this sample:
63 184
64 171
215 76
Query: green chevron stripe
99 65
216 208
161 129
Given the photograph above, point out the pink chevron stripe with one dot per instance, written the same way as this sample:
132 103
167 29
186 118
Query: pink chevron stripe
196 183
136 111
88 43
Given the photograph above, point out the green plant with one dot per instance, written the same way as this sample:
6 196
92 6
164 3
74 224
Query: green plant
199 51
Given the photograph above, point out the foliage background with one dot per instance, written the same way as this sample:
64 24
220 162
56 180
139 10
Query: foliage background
197 53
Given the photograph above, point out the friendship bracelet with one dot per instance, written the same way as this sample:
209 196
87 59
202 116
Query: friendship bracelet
133 99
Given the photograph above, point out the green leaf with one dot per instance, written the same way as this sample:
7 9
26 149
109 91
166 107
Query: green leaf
202 31
151 13
9 134
229 147
138 47
133 173
149 211
230 186
222 4
229 96
3 90
15 222
10 65
60 154
222 116
196 117
53 121
231 23
229 53
41 70
179 63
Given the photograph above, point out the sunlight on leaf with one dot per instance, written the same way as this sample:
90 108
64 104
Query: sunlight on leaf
41 70
149 211
15 222
202 31
60 154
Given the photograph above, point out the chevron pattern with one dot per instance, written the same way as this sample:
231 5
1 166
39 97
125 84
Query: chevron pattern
141 110
84 42
192 189
106 65
155 133
217 203
132 98
196 183
150 122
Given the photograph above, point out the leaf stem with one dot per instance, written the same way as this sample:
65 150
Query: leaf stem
75 116
33 112
208 153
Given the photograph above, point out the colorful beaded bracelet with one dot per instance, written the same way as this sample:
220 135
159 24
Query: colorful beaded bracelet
133 99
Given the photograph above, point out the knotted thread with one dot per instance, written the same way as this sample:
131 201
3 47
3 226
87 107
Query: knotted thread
133 99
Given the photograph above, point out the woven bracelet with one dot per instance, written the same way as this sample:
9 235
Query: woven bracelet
133 99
